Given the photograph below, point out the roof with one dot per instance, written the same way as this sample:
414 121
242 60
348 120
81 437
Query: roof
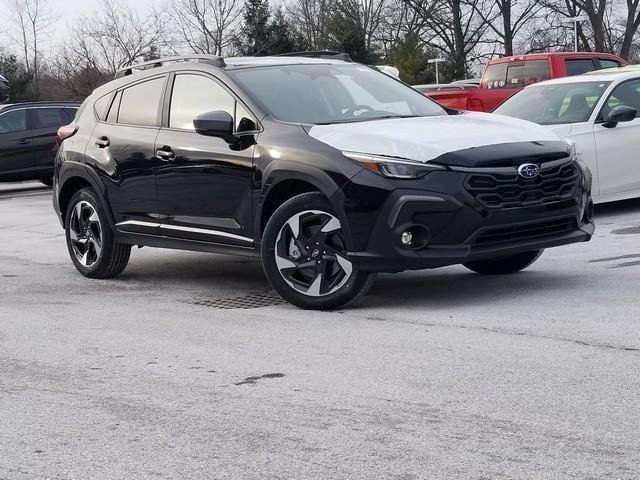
605 75
545 56
324 57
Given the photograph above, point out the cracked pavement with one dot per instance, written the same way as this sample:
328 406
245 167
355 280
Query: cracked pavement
439 374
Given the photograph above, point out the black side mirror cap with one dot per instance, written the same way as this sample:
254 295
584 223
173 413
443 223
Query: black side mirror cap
214 124
621 113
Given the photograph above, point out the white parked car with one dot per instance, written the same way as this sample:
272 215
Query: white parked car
598 111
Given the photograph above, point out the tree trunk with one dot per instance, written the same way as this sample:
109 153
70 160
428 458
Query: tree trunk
507 28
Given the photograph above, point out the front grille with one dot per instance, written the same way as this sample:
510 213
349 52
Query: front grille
525 232
509 190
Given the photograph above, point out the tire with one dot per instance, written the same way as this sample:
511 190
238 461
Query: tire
47 181
90 238
504 265
298 268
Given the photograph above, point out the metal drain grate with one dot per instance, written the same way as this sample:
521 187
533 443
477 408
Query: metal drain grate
255 300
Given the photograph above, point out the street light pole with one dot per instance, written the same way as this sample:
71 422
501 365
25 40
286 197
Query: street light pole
436 61
574 21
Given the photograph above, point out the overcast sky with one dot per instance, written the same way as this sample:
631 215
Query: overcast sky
66 12
69 9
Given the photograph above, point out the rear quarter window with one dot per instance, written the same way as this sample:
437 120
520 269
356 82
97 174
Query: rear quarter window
101 106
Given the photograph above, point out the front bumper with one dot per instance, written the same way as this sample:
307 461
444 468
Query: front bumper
454 227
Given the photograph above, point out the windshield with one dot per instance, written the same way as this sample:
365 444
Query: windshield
330 93
554 104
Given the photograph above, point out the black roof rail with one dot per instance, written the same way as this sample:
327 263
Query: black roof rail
43 103
159 62
319 54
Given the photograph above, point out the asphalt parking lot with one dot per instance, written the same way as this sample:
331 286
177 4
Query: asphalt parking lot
438 374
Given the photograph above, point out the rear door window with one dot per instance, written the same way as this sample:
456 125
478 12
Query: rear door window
47 118
140 103
527 73
14 121
605 63
578 66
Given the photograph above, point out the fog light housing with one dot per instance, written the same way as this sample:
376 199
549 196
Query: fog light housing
406 238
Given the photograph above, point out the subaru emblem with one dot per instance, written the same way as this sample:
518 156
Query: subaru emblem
528 170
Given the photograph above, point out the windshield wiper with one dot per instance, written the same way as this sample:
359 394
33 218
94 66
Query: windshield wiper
368 119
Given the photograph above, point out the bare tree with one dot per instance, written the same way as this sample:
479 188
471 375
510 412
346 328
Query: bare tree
111 38
505 18
452 26
311 19
117 35
631 25
207 26
33 19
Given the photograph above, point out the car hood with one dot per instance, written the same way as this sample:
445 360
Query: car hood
426 138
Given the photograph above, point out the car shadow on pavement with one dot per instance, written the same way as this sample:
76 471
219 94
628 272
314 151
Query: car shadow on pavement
454 287
445 287
617 208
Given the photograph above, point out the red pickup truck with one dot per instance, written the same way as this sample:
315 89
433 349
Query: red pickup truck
502 77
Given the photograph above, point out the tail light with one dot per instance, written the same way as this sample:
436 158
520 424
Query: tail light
66 132
475 105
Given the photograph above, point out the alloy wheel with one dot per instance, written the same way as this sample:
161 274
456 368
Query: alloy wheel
85 233
310 253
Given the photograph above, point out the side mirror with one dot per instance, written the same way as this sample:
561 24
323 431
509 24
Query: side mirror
621 113
214 124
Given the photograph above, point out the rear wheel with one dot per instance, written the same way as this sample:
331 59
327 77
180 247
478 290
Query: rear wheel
90 240
504 265
304 255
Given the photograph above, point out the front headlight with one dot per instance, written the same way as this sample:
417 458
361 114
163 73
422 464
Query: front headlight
393 167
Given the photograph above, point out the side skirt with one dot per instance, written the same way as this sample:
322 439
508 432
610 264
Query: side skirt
183 244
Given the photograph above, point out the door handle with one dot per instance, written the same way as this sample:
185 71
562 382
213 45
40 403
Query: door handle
165 153
23 141
102 142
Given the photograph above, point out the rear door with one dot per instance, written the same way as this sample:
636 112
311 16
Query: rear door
14 145
45 122
122 149
204 188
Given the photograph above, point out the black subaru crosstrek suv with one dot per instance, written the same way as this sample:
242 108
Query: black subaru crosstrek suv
329 170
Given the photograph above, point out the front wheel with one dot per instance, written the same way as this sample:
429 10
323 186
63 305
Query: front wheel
304 255
504 265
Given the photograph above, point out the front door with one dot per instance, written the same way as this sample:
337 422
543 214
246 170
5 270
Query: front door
204 182
617 148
